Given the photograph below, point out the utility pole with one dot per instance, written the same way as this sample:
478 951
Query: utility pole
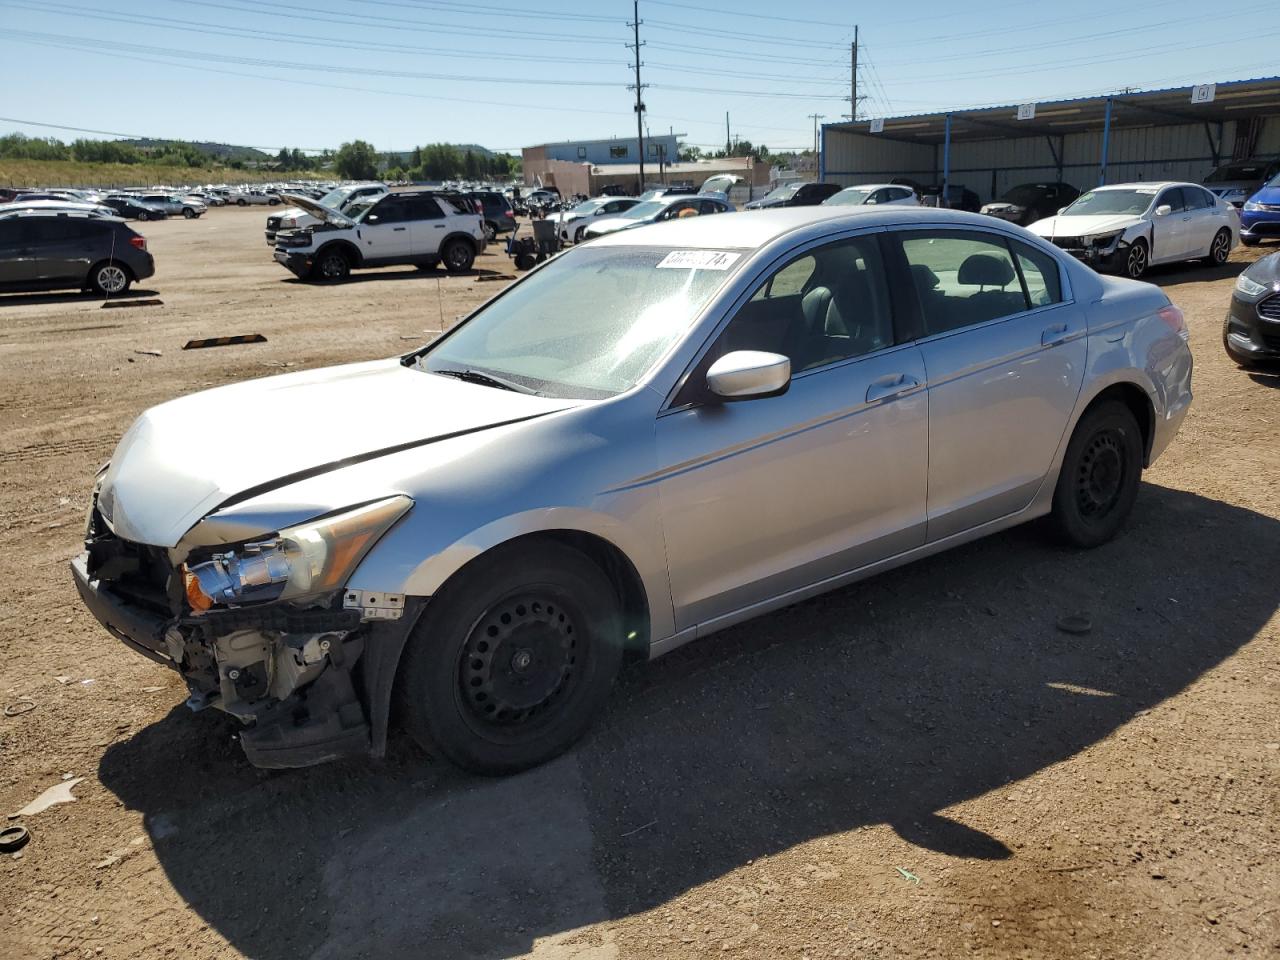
853 77
816 117
728 141
639 89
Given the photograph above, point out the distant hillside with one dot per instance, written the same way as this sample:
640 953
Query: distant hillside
226 152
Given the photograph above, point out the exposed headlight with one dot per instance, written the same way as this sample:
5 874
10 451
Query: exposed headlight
1249 287
1252 205
309 559
288 223
1104 241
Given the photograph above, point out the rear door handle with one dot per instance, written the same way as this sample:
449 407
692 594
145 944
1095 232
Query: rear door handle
891 386
439 226
399 229
1052 336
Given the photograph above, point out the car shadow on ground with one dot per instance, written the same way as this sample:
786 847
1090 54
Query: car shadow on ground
402 273
883 703
1169 274
82 296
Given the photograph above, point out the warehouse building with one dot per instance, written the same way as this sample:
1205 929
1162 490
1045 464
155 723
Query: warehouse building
599 153
590 180
1181 133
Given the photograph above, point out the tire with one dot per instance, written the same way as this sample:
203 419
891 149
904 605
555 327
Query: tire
273 202
1100 475
144 216
109 278
490 231
331 266
188 213
513 659
1137 259
242 202
577 234
1219 249
458 256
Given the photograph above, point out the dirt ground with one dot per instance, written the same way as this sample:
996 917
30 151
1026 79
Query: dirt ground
918 766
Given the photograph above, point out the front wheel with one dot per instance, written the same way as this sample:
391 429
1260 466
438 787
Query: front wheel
1220 249
1135 261
578 234
242 202
188 213
109 279
1099 479
331 267
458 256
513 659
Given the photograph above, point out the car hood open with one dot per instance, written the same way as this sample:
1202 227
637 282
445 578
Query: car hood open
187 457
318 210
1083 226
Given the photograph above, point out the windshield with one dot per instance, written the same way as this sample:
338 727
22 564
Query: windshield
1025 195
588 325
642 210
335 197
853 195
359 207
587 206
1111 201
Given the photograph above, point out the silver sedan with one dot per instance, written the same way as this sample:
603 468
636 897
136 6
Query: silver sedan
649 438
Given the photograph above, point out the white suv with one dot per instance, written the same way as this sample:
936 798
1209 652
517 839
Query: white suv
339 198
410 227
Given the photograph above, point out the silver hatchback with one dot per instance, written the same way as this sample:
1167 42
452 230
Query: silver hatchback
647 439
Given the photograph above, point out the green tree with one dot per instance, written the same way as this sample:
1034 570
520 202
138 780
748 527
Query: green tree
356 160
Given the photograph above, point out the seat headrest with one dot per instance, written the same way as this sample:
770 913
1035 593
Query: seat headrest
924 277
985 269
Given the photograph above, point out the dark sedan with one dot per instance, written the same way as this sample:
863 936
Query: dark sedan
61 251
134 209
1029 202
1251 332
795 195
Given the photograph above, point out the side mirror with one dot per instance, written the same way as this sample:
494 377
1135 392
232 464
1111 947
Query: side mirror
371 218
747 374
1061 211
1163 210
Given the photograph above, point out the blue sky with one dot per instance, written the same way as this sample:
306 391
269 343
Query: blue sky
508 73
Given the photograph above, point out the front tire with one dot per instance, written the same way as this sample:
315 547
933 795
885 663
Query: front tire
188 213
1220 249
1100 474
513 659
1137 259
458 256
578 234
242 202
109 279
331 266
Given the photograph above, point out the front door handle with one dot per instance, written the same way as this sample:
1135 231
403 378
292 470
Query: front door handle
399 229
891 386
1052 336
439 226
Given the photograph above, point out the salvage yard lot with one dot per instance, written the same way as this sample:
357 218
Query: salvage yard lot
920 765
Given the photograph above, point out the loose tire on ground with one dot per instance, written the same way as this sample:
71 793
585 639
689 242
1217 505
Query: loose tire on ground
513 659
1100 475
458 256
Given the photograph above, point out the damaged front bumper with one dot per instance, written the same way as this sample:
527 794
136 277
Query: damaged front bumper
311 684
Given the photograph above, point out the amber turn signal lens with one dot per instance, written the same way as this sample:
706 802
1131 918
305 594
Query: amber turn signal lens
197 598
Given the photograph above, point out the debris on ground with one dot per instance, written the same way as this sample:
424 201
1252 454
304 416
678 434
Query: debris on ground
1075 623
149 353
908 875
58 793
224 341
13 838
19 707
146 302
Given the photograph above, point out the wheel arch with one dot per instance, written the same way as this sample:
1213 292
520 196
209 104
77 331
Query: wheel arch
458 235
1139 403
349 249
88 277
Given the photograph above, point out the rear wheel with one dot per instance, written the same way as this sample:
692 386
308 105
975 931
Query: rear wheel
1100 474
144 215
458 256
513 660
331 266
1220 249
109 278
1135 261
188 213
242 202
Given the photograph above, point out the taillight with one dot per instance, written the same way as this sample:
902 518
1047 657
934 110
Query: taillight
138 241
1174 320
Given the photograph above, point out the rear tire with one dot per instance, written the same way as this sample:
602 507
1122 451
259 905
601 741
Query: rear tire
1219 249
513 659
458 256
242 202
188 213
1100 474
331 266
109 279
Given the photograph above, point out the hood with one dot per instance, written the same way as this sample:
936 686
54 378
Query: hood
183 459
613 224
1083 226
1267 195
1265 271
318 210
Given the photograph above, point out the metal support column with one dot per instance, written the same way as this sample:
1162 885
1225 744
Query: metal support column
946 164
822 155
1106 145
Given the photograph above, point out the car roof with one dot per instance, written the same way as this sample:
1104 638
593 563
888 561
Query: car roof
1144 184
755 228
873 186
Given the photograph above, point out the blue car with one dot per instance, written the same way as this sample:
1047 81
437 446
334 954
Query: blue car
1260 217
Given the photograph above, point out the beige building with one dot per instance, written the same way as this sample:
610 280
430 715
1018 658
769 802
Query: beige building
590 180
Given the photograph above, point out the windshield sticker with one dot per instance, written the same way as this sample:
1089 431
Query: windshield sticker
1147 190
697 260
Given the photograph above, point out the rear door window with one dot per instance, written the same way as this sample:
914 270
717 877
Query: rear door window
1041 274
424 208
962 278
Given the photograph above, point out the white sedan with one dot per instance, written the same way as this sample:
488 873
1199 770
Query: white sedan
873 194
1128 227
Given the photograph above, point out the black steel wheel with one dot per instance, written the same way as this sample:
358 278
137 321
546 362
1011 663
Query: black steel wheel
1100 475
331 266
458 256
513 658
